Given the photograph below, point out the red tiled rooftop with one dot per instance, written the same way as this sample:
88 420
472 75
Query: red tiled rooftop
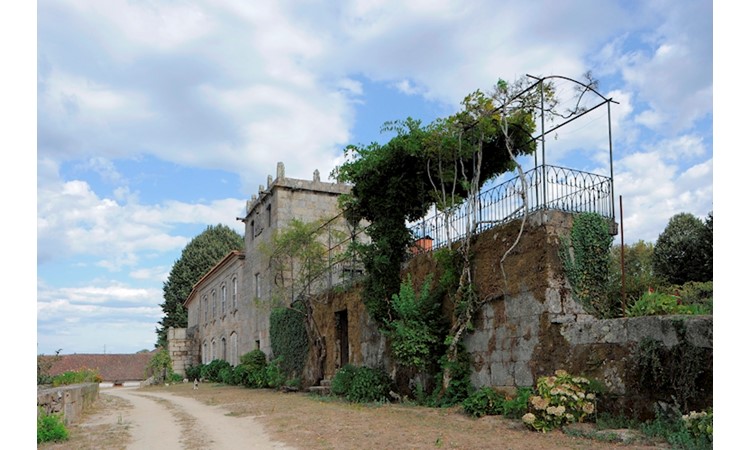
111 367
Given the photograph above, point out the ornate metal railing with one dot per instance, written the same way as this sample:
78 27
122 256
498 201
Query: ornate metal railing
547 188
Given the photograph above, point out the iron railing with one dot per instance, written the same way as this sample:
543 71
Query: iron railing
566 190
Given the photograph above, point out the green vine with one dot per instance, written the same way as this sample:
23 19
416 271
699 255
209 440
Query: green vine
674 373
289 339
585 257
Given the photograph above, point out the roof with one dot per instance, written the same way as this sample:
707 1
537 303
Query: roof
226 260
111 367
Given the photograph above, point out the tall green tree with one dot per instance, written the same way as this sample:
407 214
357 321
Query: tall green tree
684 250
198 256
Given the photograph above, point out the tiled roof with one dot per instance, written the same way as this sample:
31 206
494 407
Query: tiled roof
112 367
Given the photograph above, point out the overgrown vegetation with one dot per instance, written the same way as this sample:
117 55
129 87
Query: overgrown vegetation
361 384
414 333
586 259
160 366
487 401
83 375
674 374
289 339
560 399
50 427
692 431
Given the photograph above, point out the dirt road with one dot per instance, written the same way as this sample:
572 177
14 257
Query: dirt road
160 420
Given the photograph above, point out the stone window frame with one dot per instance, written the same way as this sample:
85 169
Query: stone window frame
234 292
213 302
206 308
257 285
223 299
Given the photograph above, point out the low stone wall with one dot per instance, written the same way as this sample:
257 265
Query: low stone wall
70 400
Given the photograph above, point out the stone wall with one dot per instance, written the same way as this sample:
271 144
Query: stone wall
532 326
70 400
180 350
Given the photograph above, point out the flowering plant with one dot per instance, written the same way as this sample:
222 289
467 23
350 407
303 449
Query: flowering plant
560 399
700 424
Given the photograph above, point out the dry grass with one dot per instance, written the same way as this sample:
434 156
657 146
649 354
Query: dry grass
312 422
319 422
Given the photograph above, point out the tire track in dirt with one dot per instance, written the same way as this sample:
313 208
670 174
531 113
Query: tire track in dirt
165 422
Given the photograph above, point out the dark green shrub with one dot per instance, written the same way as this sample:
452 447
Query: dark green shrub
517 406
274 375
342 380
460 384
210 371
226 375
255 365
240 376
483 402
50 428
194 372
289 338
697 293
369 385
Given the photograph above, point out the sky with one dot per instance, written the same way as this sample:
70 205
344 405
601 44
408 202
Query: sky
156 119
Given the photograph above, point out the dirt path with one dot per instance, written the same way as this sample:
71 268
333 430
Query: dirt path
160 420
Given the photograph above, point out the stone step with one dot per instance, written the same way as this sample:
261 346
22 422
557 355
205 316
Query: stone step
320 390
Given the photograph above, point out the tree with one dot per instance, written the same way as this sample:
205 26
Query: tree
198 256
684 250
297 261
639 274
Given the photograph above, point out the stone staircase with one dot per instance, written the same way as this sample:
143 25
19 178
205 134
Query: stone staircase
324 388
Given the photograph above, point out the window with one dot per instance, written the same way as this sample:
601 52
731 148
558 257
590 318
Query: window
252 229
234 292
257 285
233 349
268 210
204 355
223 299
213 303
205 308
224 349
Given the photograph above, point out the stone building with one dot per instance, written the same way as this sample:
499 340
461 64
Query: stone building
230 306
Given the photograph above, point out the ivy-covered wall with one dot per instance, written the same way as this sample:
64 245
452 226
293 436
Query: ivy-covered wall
532 326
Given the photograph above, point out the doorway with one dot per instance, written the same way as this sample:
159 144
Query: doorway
342 337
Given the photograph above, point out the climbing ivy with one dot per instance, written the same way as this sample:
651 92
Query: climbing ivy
289 339
585 257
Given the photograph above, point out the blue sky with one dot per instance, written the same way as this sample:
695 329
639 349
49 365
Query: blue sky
155 119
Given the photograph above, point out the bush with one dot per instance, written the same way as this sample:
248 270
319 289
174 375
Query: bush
693 431
210 371
274 374
560 399
194 372
255 365
656 303
342 380
485 401
516 407
76 376
226 375
50 427
369 385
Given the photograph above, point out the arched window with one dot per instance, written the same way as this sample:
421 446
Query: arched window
233 357
213 301
234 292
205 308
204 353
213 349
224 349
223 299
